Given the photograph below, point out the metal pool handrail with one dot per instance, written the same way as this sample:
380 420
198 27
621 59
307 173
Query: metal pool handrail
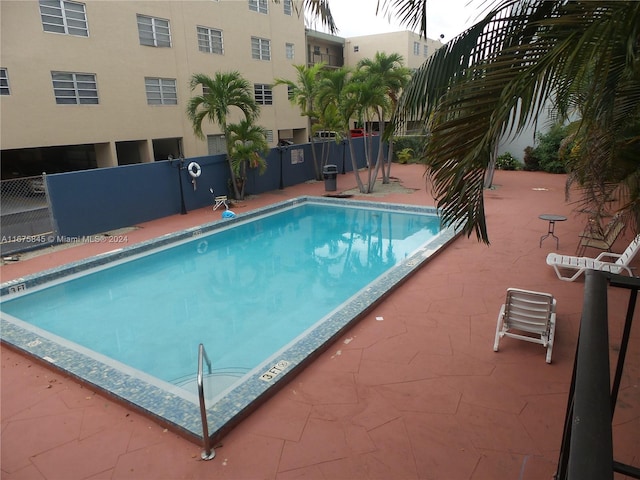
208 453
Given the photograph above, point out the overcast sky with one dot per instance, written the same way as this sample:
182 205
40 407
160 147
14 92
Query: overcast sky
357 17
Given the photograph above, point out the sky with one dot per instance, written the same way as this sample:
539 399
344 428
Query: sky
358 17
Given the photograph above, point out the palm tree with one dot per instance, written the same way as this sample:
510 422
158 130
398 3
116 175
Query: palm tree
220 93
329 121
303 94
334 97
495 78
247 143
368 97
388 69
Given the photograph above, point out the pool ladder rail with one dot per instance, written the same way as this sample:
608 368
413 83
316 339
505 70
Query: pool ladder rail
208 453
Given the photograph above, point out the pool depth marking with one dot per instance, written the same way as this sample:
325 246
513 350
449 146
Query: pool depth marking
275 370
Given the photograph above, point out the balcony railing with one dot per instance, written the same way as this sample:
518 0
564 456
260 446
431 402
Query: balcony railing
331 60
586 451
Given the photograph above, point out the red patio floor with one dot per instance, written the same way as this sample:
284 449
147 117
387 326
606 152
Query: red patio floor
419 394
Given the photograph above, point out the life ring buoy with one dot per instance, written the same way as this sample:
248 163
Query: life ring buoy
203 246
194 169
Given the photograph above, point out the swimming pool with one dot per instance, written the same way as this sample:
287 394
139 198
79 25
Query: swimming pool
246 283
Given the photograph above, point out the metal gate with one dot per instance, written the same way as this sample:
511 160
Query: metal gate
26 220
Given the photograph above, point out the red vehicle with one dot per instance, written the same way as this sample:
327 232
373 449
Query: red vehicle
357 132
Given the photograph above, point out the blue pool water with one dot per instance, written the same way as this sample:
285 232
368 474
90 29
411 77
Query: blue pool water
255 291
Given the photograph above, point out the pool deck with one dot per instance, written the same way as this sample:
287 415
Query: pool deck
413 391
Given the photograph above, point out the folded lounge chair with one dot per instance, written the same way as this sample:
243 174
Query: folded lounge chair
580 264
529 316
219 200
599 238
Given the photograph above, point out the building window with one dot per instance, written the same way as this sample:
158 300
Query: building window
75 88
260 48
268 136
290 89
216 144
356 49
161 91
210 40
4 82
263 94
260 6
60 16
154 32
416 48
425 50
288 7
290 50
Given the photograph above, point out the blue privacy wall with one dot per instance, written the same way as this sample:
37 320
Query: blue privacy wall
93 201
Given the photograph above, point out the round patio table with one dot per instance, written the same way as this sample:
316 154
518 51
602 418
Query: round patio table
552 219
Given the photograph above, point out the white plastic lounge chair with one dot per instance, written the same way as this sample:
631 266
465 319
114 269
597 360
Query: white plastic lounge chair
580 264
529 316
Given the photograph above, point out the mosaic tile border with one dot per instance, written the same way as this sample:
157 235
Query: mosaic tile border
228 410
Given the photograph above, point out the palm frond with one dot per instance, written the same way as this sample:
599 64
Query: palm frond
319 9
497 77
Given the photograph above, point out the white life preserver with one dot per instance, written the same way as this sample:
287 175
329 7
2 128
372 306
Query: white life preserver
194 169
203 246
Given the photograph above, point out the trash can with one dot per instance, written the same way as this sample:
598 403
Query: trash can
330 174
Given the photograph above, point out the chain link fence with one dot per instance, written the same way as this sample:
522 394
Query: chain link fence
26 221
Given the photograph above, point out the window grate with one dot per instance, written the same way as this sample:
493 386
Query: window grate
260 48
260 6
72 88
161 91
154 32
4 82
62 16
290 51
287 5
263 94
210 40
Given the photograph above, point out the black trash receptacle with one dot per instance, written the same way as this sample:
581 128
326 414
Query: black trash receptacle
330 174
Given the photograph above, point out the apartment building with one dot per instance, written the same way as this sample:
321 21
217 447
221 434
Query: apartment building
413 48
95 83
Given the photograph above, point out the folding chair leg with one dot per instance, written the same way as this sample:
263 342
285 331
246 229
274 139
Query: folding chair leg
551 340
496 342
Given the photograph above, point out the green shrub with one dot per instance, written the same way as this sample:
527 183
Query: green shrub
403 145
506 161
405 155
547 151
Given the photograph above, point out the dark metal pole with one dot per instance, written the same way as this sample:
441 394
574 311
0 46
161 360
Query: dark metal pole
622 354
591 446
183 207
281 168
344 160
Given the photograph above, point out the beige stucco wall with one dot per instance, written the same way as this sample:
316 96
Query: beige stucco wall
31 118
394 42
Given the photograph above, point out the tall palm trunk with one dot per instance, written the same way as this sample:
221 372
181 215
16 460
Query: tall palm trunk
380 157
354 165
386 175
232 174
314 156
